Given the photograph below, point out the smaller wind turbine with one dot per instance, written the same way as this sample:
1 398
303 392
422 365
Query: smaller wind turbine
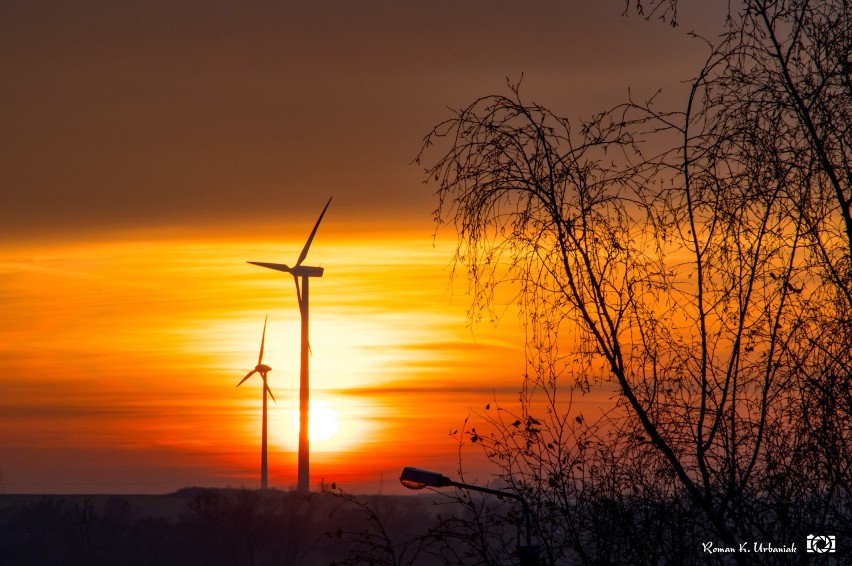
262 369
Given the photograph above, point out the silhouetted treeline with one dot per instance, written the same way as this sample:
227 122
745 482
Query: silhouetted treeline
249 527
208 526
198 526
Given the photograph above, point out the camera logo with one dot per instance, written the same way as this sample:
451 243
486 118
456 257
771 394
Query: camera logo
820 543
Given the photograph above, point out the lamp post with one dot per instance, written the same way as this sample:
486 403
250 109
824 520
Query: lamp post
415 478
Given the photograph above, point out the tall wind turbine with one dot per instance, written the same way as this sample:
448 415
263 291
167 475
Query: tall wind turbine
262 369
301 276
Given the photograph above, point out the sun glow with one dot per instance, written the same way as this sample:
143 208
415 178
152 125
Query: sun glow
323 421
337 423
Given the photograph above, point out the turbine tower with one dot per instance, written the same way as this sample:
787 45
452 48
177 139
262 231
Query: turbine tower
262 369
301 277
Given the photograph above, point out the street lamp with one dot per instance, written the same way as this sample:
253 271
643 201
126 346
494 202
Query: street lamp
415 478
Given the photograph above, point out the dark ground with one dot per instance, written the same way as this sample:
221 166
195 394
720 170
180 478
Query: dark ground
208 526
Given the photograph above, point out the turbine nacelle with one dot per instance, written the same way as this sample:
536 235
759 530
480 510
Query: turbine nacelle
262 368
298 271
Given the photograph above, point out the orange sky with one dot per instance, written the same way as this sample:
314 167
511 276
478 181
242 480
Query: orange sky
120 361
152 149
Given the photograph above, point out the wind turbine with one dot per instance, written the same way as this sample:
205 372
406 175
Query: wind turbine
262 369
303 273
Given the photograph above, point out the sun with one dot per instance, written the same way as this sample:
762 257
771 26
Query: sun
338 423
323 421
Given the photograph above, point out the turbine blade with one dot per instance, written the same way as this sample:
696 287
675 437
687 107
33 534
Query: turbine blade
248 375
311 237
268 390
298 294
275 266
262 340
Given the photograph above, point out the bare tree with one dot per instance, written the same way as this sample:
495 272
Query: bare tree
708 281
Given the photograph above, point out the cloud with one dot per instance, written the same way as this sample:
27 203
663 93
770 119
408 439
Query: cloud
146 115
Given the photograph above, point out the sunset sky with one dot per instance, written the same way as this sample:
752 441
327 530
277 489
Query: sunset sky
151 149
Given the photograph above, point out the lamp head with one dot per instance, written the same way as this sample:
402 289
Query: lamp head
415 478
